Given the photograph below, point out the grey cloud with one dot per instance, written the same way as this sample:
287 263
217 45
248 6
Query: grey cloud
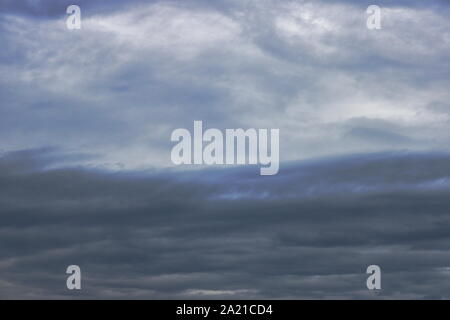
180 235
112 93
230 64
50 9
118 93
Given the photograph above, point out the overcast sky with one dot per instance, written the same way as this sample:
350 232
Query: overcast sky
85 172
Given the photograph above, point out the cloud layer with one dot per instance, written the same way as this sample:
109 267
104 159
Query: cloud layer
308 232
363 118
119 86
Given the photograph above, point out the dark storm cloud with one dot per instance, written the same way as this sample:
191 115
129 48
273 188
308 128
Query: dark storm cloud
308 232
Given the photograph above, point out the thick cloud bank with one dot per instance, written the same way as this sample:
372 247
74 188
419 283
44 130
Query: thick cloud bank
308 232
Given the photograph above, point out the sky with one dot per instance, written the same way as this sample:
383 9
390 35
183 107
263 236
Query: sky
87 178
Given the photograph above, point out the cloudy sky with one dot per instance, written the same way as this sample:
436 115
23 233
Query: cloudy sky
85 170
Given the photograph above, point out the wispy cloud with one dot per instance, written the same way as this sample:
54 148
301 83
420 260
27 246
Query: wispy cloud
119 86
